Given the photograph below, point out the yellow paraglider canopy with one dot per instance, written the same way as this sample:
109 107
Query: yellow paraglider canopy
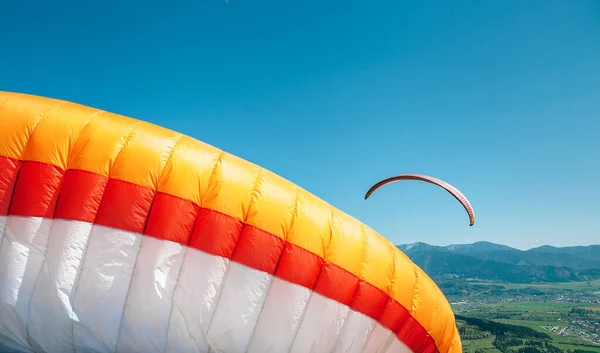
125 236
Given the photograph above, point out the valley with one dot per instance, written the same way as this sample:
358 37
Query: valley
507 304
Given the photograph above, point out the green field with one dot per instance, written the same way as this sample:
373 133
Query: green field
483 344
482 291
537 316
567 286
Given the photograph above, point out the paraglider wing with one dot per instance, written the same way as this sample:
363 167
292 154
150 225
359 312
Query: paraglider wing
451 189
117 235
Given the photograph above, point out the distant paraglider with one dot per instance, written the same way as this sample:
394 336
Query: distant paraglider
451 189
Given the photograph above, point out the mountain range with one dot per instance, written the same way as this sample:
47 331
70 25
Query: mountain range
495 262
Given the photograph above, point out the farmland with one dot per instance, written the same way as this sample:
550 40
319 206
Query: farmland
545 299
561 317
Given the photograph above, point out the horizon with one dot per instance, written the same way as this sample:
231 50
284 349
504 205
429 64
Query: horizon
499 100
484 241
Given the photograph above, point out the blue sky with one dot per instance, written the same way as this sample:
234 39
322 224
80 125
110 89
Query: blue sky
499 98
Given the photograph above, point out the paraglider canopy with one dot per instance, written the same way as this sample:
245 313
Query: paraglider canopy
451 189
117 235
